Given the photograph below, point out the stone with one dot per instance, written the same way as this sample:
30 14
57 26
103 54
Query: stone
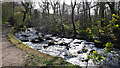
48 38
77 42
37 40
79 52
25 40
38 49
55 35
25 35
84 50
87 43
48 35
67 47
92 51
51 43
63 44
45 47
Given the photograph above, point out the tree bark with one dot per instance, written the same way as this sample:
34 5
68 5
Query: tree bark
72 17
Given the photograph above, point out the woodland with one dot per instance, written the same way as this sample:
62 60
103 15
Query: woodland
96 22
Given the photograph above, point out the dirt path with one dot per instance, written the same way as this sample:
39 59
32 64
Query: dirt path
11 56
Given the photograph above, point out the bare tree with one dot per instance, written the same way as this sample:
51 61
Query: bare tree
72 16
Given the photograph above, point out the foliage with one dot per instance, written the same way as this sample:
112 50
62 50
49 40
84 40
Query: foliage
95 56
107 33
4 23
97 41
26 64
109 45
35 60
6 10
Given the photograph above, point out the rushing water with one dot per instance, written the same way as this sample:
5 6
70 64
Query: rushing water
74 51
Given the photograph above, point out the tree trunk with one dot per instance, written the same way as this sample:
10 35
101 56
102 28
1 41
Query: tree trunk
74 28
24 16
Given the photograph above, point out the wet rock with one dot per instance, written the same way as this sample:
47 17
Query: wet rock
79 52
25 35
76 45
48 38
84 60
55 35
51 43
48 35
31 30
87 43
45 47
25 40
84 50
39 34
37 40
77 42
74 56
71 56
67 47
64 54
63 44
55 41
38 49
92 51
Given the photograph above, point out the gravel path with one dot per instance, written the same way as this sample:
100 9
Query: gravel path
11 56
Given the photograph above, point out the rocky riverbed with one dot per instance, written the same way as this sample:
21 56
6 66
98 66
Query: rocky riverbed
74 51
